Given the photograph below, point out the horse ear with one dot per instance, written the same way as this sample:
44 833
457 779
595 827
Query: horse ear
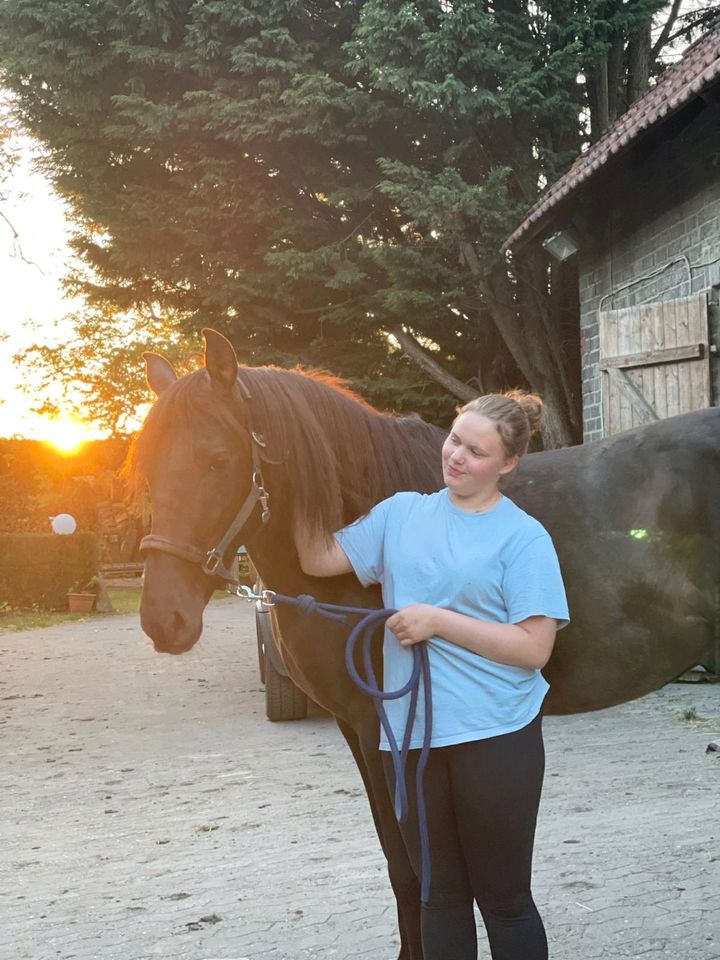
158 373
220 359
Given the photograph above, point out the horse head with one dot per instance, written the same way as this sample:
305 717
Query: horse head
195 453
208 439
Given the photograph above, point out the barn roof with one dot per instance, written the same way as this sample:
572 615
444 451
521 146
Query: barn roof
678 85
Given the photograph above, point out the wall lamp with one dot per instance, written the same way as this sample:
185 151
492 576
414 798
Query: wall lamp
561 245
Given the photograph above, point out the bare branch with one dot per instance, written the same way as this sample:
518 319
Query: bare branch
17 248
665 32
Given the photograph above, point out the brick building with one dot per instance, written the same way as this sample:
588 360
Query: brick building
640 209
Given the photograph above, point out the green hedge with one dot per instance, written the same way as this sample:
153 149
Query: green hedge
38 569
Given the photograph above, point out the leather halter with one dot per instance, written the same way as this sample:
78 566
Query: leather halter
212 561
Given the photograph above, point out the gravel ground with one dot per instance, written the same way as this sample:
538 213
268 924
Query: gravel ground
150 811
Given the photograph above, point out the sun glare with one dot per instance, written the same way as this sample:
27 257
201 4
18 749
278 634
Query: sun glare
67 436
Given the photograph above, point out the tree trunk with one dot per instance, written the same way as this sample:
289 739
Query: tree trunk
639 55
615 67
525 335
540 303
604 76
421 357
601 118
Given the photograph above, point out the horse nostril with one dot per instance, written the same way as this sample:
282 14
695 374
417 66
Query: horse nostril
170 631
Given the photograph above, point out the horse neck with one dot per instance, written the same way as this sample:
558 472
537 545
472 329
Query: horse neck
272 548
331 445
272 552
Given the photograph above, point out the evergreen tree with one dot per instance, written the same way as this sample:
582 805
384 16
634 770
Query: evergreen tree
328 183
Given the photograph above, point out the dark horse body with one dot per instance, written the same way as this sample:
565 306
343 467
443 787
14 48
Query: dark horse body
635 520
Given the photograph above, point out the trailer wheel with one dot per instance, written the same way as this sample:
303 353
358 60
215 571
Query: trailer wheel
283 700
260 630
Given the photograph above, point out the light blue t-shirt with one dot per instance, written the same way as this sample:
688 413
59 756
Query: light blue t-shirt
498 566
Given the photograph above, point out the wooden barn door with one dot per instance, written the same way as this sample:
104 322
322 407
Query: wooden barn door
655 362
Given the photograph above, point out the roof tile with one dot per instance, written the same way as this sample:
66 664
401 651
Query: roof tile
677 86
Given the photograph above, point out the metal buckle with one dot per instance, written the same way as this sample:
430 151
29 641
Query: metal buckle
259 439
212 562
263 495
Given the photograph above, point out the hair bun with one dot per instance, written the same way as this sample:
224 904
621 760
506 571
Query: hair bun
532 406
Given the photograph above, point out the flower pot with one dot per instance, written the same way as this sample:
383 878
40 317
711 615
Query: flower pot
81 602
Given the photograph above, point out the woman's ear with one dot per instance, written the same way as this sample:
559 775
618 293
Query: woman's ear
509 466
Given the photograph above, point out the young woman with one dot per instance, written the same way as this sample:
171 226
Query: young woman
478 579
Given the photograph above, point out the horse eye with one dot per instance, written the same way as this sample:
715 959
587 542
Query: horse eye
218 464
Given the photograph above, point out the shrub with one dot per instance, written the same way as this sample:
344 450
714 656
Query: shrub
38 570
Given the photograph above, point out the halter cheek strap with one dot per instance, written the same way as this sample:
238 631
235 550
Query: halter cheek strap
211 561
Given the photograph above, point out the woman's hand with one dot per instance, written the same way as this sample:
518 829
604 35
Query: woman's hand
414 623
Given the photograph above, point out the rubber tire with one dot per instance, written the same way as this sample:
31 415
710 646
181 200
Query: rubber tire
283 700
259 633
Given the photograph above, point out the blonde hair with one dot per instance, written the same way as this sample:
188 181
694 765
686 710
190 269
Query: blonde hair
516 415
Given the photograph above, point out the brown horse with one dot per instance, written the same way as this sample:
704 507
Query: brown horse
635 519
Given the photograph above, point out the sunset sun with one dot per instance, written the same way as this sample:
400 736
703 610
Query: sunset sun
66 435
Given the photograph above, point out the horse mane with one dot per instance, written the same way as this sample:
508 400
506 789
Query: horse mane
337 454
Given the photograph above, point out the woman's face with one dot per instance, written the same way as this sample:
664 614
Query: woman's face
473 456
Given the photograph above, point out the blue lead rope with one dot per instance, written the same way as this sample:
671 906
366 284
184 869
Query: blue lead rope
363 631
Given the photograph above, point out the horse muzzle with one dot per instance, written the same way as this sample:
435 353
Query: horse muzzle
171 631
174 597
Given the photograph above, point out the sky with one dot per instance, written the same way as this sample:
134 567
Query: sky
32 304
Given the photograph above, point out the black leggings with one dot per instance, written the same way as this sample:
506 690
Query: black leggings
482 799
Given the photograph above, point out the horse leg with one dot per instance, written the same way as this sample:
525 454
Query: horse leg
402 878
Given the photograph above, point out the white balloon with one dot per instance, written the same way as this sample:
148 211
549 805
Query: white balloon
63 523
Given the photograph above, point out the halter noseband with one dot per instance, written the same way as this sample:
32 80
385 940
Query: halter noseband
211 561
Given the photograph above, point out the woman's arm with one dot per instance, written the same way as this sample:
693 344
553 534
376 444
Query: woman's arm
525 644
319 555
